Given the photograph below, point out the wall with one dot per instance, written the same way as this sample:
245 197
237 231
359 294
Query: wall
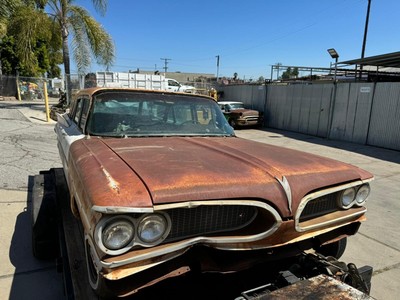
365 113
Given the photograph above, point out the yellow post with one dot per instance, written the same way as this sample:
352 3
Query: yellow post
18 90
46 101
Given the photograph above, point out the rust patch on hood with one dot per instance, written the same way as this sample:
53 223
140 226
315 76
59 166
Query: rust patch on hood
176 169
108 180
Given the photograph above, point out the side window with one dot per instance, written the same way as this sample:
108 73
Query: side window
81 112
78 111
84 114
172 83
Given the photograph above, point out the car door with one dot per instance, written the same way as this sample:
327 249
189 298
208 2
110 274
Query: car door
172 85
71 127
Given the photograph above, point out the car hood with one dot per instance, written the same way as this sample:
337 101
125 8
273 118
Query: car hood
150 171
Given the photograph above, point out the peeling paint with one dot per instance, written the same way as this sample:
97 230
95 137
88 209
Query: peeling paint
112 183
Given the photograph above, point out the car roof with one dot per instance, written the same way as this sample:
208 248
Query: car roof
92 91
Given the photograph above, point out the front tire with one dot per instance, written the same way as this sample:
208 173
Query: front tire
232 122
97 282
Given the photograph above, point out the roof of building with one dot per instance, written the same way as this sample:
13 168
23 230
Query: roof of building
384 60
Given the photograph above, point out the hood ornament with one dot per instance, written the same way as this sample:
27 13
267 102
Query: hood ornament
286 187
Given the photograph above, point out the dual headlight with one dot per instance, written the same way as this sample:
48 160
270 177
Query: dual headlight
117 234
354 196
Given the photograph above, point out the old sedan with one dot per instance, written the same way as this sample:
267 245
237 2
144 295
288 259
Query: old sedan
163 187
239 116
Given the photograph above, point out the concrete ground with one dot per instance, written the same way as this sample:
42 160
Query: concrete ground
378 241
28 145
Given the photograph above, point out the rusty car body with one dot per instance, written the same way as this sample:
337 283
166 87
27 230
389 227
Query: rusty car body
163 187
239 116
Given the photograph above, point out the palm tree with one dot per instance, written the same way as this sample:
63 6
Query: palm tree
6 8
88 38
72 23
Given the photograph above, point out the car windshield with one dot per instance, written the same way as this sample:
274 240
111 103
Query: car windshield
233 106
131 114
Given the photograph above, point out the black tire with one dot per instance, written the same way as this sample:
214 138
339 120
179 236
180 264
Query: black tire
97 282
232 122
335 249
44 217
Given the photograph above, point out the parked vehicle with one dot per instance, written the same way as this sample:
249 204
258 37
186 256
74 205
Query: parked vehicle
163 187
239 116
137 81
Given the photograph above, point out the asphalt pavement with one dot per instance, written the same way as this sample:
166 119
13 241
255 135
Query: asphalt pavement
28 145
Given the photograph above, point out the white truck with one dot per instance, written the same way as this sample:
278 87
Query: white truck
137 81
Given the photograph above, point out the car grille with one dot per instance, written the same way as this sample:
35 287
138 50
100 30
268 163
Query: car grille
251 118
209 219
320 206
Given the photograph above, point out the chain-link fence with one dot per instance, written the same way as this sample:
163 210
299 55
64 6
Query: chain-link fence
32 88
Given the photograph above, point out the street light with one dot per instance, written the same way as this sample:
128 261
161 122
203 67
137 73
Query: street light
333 53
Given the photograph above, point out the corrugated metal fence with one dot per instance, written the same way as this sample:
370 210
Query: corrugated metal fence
365 113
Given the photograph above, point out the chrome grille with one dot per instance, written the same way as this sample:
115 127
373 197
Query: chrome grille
319 207
208 219
251 118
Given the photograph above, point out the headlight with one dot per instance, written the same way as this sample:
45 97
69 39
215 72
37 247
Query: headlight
346 198
362 194
117 234
153 229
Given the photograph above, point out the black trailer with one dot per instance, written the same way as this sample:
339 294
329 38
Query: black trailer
57 234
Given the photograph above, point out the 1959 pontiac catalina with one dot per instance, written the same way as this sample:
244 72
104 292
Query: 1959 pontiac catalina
161 184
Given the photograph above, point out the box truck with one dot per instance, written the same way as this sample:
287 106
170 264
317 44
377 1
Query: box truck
136 81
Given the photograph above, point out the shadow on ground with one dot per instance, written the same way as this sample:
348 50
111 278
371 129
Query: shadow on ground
376 152
32 277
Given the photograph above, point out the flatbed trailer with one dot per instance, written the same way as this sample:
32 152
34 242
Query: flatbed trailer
57 234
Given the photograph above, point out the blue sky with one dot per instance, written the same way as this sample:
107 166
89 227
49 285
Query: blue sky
249 36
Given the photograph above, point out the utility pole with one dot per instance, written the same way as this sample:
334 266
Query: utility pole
217 67
165 64
365 35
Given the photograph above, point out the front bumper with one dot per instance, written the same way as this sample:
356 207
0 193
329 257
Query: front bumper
249 121
131 277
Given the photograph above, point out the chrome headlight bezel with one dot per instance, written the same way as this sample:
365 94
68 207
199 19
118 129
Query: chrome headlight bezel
356 195
346 198
362 194
107 223
135 221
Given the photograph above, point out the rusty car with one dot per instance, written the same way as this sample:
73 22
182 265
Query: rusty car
163 187
238 116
